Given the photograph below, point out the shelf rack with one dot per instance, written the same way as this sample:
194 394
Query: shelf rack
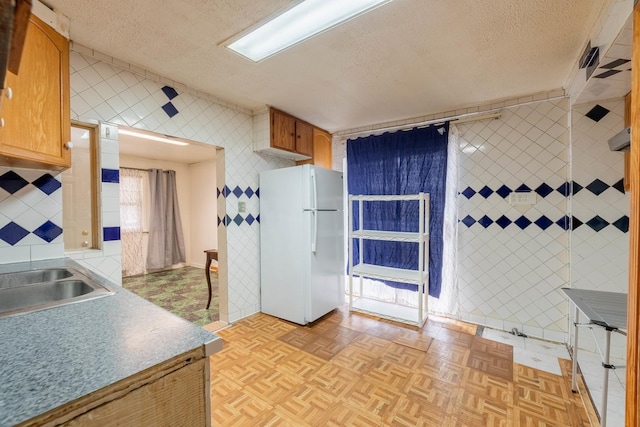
391 310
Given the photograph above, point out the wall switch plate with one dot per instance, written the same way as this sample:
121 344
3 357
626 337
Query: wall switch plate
522 198
242 207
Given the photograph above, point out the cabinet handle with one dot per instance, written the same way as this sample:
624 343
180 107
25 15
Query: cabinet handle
69 145
9 93
2 122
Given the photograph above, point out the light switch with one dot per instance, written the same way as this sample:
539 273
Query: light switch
242 207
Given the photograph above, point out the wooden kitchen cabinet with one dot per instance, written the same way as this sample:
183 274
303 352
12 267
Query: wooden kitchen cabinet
321 150
291 134
37 117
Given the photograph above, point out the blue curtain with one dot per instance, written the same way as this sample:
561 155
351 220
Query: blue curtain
403 162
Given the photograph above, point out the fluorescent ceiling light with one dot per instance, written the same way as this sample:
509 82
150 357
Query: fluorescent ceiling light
151 137
302 21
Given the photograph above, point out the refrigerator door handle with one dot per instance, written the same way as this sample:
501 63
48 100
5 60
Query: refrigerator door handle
314 207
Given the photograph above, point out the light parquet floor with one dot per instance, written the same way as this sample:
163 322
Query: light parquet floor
353 370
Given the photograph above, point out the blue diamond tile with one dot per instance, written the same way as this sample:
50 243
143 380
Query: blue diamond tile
47 184
226 191
503 191
468 221
622 224
597 187
575 223
250 219
522 189
597 223
170 92
522 222
238 219
218 193
468 192
543 222
227 220
249 192
619 186
258 194
170 109
48 231
111 234
597 113
564 223
110 175
575 188
503 222
564 189
258 219
485 221
237 191
12 182
219 221
485 192
544 190
12 233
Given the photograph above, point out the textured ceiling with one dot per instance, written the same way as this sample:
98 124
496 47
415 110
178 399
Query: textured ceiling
405 59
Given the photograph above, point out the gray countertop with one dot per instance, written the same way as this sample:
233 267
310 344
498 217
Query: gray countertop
54 356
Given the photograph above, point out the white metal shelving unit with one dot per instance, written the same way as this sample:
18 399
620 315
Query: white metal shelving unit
391 310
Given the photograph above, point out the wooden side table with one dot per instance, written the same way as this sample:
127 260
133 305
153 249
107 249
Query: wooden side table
211 254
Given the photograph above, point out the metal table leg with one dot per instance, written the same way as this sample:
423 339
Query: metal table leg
574 364
605 385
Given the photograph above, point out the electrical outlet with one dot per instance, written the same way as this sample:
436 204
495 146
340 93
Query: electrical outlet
522 198
242 207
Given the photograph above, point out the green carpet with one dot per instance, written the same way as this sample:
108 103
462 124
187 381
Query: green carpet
182 291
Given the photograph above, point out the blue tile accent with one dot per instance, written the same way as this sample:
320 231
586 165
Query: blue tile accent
544 190
503 191
249 192
564 223
258 219
597 113
47 184
48 231
12 182
575 188
522 222
219 221
237 191
485 192
258 194
597 223
575 223
227 220
468 221
619 186
468 192
250 219
170 92
523 189
111 175
238 219
226 191
12 233
218 193
111 233
485 221
170 109
543 222
622 224
597 187
503 222
564 189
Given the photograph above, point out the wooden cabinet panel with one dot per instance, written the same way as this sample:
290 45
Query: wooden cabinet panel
304 138
283 128
36 119
321 150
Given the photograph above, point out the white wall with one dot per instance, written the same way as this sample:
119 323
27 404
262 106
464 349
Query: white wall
203 216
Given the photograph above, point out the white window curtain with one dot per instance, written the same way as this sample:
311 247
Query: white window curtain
131 221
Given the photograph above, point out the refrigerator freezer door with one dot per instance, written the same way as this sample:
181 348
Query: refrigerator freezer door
324 188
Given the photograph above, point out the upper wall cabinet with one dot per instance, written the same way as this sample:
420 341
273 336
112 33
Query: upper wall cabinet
288 137
35 114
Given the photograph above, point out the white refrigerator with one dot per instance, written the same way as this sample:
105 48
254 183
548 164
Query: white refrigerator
301 242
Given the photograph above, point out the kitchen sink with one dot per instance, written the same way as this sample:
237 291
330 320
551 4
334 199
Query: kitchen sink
32 290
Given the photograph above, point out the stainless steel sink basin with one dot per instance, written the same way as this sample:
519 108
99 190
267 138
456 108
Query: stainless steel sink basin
32 290
10 280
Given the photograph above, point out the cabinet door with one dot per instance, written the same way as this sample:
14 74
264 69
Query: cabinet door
36 119
304 138
283 131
